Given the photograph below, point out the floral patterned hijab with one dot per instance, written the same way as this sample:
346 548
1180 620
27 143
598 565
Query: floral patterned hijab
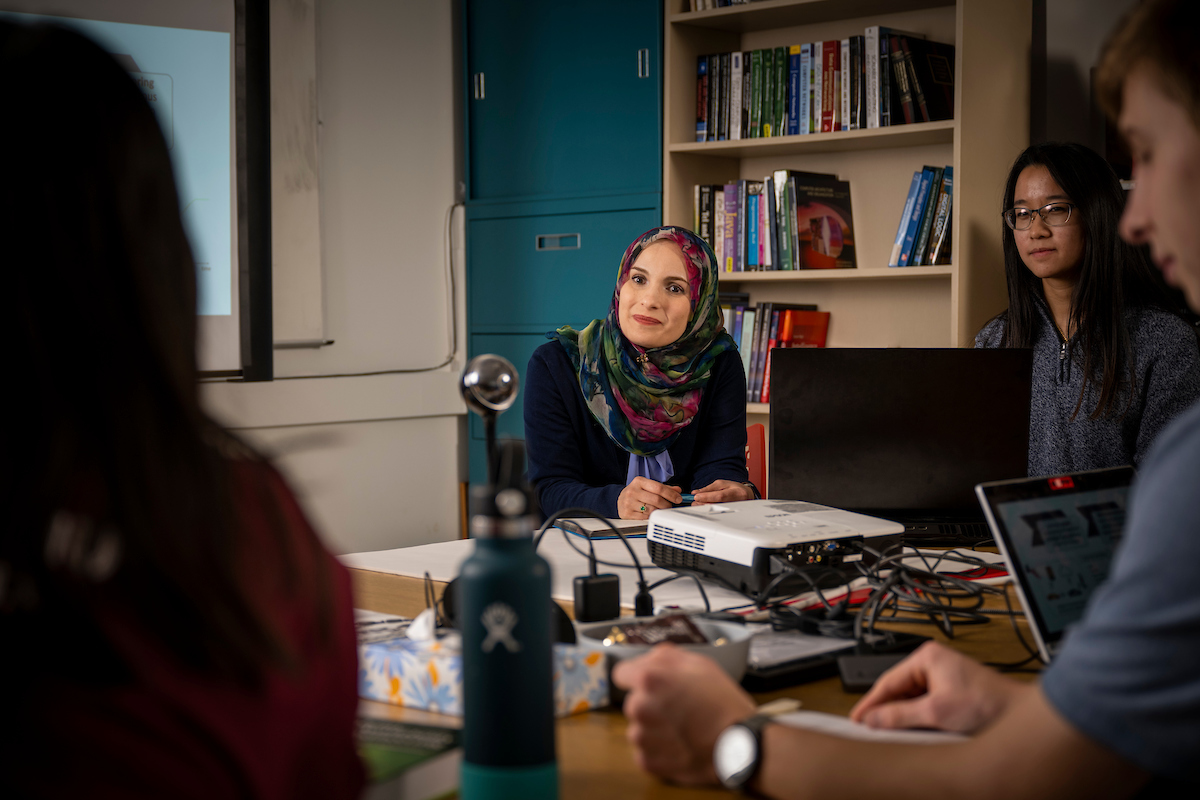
643 398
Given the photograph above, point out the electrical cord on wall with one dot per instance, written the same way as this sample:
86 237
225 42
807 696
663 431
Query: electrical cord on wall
453 309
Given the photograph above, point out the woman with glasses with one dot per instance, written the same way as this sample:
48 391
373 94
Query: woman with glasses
1113 361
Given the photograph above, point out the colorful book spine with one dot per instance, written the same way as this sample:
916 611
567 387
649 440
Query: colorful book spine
731 226
779 115
756 93
790 210
765 370
735 96
746 339
858 94
768 93
914 218
900 76
762 321
922 242
830 84
714 84
941 221
804 89
783 221
702 99
741 228
898 245
816 81
871 76
706 215
752 251
793 93
844 92
747 85
718 192
735 331
766 258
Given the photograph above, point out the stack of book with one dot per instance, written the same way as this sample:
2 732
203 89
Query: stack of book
923 236
760 329
788 220
884 77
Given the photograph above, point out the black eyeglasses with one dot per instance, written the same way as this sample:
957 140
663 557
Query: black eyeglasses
1054 214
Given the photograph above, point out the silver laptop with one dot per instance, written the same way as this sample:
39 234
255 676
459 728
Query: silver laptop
1057 535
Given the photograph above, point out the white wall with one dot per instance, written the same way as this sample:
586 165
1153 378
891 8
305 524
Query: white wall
375 459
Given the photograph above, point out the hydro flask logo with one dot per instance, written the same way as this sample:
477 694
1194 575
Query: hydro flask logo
499 619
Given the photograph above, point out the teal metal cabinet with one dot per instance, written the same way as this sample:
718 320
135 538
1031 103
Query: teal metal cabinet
563 119
565 98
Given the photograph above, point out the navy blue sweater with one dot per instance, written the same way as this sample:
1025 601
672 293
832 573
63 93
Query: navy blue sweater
573 462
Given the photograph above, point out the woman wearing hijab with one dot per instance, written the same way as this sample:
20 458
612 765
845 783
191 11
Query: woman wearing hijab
636 408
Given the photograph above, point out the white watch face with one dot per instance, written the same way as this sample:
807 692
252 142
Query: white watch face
735 754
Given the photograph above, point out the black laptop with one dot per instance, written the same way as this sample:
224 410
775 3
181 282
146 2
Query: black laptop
904 434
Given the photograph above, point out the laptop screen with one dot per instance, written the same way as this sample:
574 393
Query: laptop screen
903 434
1058 536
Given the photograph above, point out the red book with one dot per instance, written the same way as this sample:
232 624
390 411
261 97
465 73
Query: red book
831 95
809 328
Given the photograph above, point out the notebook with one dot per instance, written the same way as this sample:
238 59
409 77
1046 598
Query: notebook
1057 535
904 434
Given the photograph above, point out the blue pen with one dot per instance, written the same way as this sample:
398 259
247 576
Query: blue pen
687 498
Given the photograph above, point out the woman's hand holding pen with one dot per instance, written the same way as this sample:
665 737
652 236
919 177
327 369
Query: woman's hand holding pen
643 495
722 492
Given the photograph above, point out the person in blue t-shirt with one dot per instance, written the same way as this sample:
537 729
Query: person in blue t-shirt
623 416
1118 711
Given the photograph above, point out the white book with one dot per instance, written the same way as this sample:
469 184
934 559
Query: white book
805 88
696 208
844 122
735 95
871 59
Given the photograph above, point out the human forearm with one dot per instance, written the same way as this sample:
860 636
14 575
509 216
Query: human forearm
1030 752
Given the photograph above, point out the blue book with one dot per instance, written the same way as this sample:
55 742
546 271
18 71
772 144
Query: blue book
804 88
752 201
914 218
898 245
772 221
793 111
702 99
738 315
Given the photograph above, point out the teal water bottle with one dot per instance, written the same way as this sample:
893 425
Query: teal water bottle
505 618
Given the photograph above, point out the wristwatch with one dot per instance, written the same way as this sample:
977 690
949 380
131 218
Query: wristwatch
738 752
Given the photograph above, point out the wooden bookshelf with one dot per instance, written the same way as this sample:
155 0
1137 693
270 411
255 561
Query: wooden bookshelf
872 306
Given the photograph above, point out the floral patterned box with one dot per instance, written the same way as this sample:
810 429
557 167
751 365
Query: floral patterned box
427 674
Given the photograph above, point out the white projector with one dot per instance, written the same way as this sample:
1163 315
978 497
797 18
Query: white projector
732 543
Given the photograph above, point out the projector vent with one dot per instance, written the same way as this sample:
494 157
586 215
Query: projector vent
686 541
672 557
797 507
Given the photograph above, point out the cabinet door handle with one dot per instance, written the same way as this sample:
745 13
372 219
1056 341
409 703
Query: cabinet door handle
477 82
558 241
644 63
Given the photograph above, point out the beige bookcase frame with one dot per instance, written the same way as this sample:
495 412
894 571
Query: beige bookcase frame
873 305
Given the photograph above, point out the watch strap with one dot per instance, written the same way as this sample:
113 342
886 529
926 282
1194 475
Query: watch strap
754 724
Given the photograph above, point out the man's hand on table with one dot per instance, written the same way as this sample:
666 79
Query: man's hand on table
678 703
937 688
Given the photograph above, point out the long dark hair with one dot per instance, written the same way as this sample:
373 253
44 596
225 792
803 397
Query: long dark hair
1115 276
116 487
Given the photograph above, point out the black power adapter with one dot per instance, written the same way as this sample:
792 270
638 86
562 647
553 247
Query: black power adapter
597 597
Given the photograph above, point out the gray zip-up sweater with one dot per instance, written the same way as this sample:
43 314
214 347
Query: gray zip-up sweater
1167 381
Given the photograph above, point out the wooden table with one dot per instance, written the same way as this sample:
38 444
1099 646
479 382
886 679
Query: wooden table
595 761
